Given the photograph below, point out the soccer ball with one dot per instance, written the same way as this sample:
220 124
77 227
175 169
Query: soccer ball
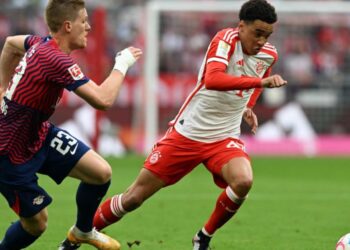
343 243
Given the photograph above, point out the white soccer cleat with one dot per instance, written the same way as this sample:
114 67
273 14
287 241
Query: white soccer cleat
201 241
99 240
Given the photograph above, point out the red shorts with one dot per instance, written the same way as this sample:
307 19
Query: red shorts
174 156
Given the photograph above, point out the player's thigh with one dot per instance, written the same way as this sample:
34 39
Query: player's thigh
238 170
173 157
228 163
26 201
92 169
238 175
145 185
62 152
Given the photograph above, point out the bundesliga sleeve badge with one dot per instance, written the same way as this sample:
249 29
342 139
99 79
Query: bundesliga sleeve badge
223 49
76 72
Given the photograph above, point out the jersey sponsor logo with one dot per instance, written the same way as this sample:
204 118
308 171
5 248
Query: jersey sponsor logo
38 200
75 72
155 157
223 49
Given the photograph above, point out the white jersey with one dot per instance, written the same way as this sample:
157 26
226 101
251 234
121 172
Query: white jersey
210 115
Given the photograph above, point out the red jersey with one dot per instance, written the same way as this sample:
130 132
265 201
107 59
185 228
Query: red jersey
32 95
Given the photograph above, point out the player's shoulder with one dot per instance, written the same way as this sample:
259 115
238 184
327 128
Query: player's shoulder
270 50
32 40
227 35
50 51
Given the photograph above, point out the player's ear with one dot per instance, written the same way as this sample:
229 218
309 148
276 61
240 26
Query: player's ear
240 25
67 25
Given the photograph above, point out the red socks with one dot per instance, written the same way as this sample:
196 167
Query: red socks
109 212
226 206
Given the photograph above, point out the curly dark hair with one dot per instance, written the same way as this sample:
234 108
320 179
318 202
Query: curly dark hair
258 9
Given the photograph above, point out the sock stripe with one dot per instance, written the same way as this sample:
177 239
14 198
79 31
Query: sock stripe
206 233
116 206
120 205
233 197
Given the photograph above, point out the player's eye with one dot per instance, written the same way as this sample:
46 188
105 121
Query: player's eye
261 35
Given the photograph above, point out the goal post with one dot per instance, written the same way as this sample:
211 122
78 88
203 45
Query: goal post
154 10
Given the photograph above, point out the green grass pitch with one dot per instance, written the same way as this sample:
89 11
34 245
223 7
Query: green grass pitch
295 204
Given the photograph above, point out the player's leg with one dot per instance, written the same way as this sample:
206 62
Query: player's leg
94 173
113 209
29 203
237 173
25 231
171 159
18 185
67 156
232 170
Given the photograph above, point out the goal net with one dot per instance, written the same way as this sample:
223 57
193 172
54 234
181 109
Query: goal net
312 38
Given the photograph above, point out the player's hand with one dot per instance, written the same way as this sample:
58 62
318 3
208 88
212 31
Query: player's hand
126 58
251 119
274 81
136 52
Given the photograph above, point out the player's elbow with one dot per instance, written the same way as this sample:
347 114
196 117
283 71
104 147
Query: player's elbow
210 83
103 105
13 45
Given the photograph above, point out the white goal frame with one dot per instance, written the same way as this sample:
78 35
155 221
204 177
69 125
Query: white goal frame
153 10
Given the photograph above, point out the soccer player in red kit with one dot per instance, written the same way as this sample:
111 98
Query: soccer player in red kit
34 73
206 130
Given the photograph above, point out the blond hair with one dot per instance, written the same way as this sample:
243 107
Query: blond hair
59 11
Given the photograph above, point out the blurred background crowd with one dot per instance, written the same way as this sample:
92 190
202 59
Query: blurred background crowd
314 56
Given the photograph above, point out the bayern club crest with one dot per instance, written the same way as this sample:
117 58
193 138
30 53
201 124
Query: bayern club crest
259 67
154 157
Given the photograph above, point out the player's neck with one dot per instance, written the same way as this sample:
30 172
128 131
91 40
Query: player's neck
62 44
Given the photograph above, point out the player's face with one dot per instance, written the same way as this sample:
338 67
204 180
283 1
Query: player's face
254 35
80 30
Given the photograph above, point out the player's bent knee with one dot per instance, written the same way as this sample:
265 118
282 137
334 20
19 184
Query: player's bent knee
242 186
104 175
35 225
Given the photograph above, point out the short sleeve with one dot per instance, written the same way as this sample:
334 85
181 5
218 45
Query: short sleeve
66 72
31 40
222 46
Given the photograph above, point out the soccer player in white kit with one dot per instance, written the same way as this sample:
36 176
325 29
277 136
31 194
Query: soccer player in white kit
206 130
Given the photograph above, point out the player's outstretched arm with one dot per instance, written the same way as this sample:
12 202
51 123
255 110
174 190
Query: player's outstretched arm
103 96
274 81
11 54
